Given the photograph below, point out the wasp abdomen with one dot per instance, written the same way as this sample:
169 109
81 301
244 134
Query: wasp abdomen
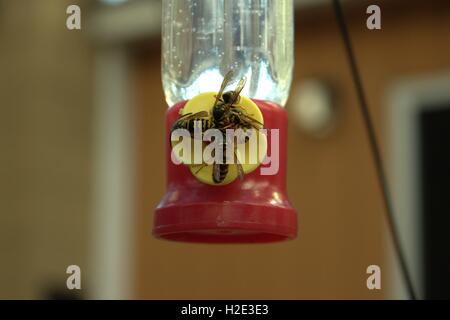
220 170
221 173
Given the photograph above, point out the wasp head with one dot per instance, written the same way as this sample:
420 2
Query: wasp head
228 97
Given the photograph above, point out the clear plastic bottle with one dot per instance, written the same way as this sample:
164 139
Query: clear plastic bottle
203 39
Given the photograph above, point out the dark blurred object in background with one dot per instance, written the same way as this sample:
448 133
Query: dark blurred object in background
435 176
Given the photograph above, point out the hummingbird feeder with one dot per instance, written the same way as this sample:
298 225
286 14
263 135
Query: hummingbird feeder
226 70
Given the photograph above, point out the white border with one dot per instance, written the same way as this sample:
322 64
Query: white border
404 101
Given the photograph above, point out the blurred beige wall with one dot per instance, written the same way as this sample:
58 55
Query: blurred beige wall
45 123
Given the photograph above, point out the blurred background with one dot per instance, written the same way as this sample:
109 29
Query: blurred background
82 158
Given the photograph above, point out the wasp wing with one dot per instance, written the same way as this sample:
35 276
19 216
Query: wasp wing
225 81
240 86
239 167
250 121
190 115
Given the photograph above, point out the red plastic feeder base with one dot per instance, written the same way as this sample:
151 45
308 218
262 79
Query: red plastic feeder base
225 222
254 210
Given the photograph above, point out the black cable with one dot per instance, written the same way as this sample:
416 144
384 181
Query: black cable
374 147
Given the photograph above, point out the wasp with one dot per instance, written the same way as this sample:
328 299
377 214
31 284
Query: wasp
226 113
189 120
220 170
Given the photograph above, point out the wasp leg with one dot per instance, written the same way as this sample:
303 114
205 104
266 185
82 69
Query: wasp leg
202 165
